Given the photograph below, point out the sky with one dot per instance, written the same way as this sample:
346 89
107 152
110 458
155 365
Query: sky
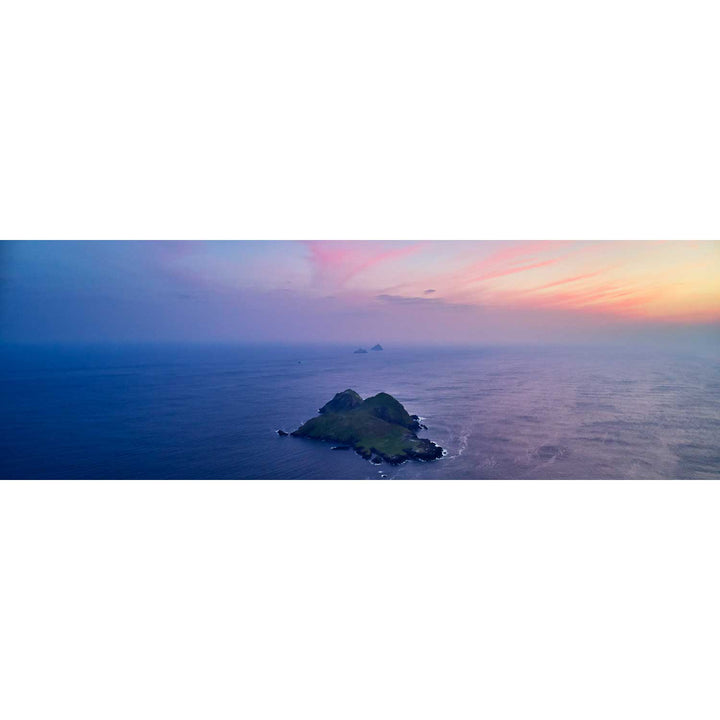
360 292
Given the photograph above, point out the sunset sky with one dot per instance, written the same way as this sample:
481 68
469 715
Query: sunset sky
360 292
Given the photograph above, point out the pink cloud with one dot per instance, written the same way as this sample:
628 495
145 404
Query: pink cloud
518 257
566 281
501 272
507 261
337 262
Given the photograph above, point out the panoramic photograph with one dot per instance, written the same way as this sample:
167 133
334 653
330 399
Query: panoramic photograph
360 360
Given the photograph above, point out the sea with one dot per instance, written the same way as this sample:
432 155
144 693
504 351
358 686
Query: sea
213 411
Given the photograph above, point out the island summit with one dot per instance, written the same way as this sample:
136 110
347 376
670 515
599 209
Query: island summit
376 428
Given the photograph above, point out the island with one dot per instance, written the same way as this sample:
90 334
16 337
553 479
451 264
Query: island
360 351
377 347
377 428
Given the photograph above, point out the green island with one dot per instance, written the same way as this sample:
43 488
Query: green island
378 428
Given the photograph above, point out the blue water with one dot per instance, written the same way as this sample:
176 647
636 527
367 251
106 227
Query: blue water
212 412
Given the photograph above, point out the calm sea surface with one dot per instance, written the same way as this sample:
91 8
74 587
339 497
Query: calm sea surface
212 412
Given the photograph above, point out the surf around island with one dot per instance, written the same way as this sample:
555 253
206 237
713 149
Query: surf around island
377 428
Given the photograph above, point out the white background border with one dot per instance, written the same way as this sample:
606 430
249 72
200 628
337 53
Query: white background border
357 600
383 119
345 120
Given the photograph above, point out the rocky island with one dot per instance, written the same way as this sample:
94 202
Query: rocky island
378 428
377 347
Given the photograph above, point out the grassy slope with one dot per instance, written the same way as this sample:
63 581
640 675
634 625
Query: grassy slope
387 408
342 402
379 425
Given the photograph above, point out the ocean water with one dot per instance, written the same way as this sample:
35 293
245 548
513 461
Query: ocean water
212 411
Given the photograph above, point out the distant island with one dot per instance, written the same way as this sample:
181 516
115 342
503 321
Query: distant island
377 347
378 428
360 351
